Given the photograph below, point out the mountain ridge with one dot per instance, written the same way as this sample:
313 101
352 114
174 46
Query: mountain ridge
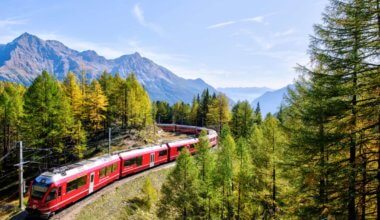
27 56
271 101
244 93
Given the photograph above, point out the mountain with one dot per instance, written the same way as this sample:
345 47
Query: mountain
272 100
244 93
27 56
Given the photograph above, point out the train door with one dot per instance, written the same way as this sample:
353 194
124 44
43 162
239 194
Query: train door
151 159
92 178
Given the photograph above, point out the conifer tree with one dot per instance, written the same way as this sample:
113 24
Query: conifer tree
48 118
180 195
224 174
258 116
218 113
242 119
205 163
139 107
11 113
74 94
96 106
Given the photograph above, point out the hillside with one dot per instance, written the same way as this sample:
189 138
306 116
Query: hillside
25 57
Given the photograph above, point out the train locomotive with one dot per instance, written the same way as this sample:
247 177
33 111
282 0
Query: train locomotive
59 187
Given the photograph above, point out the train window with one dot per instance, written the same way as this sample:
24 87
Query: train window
77 183
129 162
52 195
114 167
139 161
102 172
162 153
109 169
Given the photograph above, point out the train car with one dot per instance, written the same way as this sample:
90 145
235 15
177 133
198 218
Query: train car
167 127
187 129
59 187
141 159
176 147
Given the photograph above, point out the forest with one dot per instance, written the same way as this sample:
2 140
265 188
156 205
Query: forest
318 157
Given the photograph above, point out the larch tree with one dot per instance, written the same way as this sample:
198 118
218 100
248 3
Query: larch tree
242 119
206 163
11 114
180 192
218 113
96 106
48 118
139 106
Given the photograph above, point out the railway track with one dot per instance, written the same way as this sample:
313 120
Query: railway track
73 210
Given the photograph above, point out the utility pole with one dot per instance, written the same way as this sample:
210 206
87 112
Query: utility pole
20 177
109 141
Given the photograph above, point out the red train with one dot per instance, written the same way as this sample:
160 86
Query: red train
60 187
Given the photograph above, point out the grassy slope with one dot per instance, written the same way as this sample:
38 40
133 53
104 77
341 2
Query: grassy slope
118 204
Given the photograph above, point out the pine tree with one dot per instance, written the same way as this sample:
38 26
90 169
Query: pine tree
180 196
258 116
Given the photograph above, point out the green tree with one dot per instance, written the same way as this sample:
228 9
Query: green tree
11 114
48 118
180 195
149 193
242 119
223 178
205 163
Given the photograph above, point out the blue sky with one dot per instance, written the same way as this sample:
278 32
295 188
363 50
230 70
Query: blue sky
234 43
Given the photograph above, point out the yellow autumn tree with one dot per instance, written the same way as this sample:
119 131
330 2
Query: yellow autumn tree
218 112
139 107
96 106
74 95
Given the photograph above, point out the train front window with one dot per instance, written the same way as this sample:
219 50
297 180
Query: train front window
38 191
52 195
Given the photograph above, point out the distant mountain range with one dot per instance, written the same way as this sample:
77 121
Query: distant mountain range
271 101
27 56
244 93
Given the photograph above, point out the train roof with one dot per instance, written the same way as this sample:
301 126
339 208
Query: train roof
139 151
58 173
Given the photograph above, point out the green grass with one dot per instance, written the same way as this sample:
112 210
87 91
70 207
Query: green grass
123 202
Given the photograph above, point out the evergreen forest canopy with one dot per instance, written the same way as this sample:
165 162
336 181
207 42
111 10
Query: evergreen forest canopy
318 157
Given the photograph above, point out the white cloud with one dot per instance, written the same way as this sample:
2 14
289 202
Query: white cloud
139 15
219 25
257 19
